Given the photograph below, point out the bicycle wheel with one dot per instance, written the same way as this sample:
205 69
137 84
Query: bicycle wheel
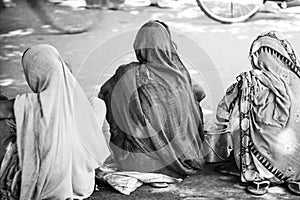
230 11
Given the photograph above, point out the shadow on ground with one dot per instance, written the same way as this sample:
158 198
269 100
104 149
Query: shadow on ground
209 184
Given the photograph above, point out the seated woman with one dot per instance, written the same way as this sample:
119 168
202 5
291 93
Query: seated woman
262 112
155 120
57 135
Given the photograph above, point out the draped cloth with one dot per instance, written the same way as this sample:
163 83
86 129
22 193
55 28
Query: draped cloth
262 112
155 121
58 138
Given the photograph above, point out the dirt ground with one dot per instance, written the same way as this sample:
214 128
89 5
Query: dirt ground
209 184
220 55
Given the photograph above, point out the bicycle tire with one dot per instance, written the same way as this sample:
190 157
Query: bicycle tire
228 20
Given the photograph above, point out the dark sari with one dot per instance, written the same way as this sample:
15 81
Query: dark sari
155 120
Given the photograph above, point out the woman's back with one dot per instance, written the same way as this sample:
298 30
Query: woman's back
155 121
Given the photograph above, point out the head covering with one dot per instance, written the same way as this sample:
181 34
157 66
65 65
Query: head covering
153 115
274 56
275 43
153 46
59 140
271 51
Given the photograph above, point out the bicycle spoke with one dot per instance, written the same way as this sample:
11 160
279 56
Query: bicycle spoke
230 10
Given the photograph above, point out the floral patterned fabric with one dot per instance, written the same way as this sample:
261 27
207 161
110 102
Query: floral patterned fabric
261 110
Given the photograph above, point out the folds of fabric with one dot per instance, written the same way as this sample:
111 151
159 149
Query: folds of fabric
129 181
10 173
154 119
262 111
59 140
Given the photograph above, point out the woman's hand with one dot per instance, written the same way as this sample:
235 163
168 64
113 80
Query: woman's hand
198 91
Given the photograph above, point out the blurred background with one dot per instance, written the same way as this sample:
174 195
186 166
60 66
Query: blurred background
80 29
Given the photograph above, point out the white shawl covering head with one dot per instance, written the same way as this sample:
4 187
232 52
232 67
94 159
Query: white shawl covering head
59 140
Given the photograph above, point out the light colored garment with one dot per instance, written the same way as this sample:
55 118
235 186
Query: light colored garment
128 181
100 111
59 140
155 120
262 112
